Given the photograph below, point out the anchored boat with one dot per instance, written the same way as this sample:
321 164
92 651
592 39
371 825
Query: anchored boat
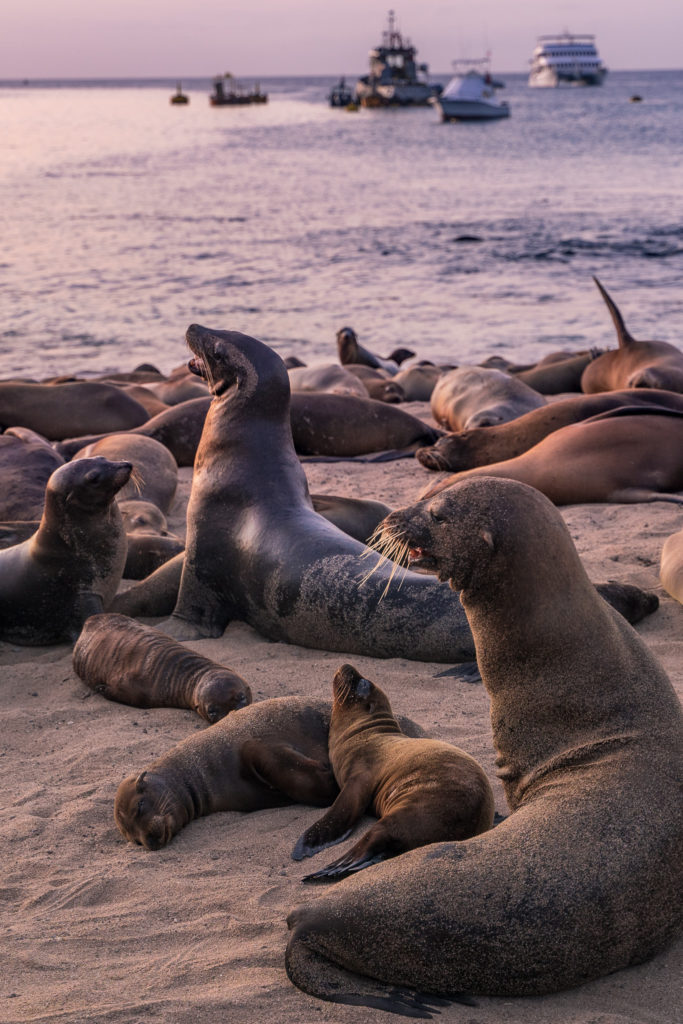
395 79
566 60
471 94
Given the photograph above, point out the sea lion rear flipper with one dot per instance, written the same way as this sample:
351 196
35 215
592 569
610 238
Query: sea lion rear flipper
336 824
320 977
282 767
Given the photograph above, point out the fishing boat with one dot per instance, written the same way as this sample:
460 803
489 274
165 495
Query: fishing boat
395 79
227 92
179 98
471 93
340 95
566 59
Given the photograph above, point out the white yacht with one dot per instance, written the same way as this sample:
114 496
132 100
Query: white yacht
471 94
566 59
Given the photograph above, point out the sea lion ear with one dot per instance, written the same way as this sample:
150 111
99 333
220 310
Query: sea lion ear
487 537
140 782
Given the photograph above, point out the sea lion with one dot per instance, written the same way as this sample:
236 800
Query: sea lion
71 567
322 424
585 875
265 755
155 476
150 543
473 396
635 364
671 566
134 664
27 461
552 376
328 377
626 455
385 391
421 790
359 517
257 551
418 382
483 445
145 397
65 410
350 351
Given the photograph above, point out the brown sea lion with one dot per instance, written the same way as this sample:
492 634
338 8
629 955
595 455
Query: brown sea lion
257 551
134 664
421 790
552 377
65 410
418 382
350 351
482 446
27 461
265 755
155 476
473 396
150 543
585 875
626 455
328 377
145 397
71 567
359 517
671 566
635 364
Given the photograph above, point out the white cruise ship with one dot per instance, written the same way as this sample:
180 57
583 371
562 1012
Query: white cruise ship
566 60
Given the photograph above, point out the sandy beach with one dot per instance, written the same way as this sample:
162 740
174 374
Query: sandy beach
99 930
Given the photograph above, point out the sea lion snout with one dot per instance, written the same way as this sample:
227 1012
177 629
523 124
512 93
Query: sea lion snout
349 685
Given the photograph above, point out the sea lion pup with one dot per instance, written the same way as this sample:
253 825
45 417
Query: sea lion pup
671 566
156 471
268 754
585 876
635 364
257 551
135 664
350 351
71 567
473 396
625 455
64 410
482 446
27 461
423 791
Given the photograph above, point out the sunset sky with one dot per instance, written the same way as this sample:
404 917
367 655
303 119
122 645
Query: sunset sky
149 38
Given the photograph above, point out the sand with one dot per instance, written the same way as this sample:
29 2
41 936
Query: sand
95 929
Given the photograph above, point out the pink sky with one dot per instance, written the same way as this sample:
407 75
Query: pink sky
158 38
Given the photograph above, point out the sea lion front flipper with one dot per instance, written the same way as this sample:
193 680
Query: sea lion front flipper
377 844
336 824
282 767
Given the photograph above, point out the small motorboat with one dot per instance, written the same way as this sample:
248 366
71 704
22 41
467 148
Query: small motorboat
471 94
340 95
179 98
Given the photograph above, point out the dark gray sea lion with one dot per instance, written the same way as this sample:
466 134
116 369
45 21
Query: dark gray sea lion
421 790
624 455
257 551
473 396
65 410
635 364
265 755
134 664
585 875
71 567
350 351
27 461
155 476
482 446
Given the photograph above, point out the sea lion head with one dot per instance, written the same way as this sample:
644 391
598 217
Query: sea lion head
143 517
352 690
234 364
145 811
219 692
347 346
462 532
87 486
442 455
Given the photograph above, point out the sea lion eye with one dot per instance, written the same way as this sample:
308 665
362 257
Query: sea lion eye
436 517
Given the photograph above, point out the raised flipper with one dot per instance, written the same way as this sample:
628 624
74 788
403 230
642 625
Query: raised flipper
374 846
319 977
282 767
336 824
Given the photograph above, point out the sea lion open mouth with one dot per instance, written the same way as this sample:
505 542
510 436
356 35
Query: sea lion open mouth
420 558
197 366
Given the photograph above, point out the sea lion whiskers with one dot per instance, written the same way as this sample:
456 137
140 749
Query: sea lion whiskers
137 480
390 546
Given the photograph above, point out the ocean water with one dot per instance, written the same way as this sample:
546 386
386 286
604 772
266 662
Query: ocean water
125 219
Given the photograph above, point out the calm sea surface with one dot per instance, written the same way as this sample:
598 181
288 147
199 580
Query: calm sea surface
125 219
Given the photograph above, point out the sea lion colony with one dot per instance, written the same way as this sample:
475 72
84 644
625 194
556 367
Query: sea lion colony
150 809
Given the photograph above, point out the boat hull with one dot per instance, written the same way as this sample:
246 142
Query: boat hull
472 110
